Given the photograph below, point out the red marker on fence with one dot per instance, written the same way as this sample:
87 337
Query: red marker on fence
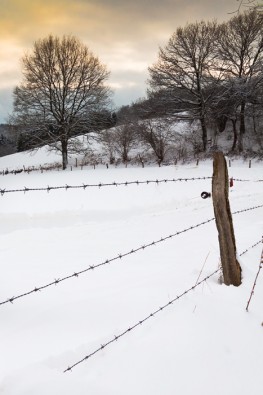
231 182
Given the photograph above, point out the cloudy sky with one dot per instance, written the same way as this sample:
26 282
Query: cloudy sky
124 34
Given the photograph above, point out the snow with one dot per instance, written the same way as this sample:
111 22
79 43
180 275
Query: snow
205 343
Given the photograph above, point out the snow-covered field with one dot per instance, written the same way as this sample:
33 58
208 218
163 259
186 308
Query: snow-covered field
204 343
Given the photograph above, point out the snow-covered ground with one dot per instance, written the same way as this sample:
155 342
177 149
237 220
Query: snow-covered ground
204 343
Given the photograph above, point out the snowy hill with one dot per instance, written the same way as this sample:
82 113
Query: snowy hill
204 342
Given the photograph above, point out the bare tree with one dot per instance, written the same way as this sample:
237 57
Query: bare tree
158 135
124 137
223 108
106 139
241 51
185 68
63 93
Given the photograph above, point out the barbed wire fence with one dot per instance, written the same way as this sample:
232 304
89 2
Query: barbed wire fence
100 185
106 262
133 251
29 169
151 315
77 163
118 257
116 184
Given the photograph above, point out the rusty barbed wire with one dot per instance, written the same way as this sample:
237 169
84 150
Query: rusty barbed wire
117 337
100 185
120 256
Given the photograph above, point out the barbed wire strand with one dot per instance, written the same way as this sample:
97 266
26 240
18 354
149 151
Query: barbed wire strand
247 209
139 322
118 257
100 185
255 282
103 346
249 248
238 179
107 261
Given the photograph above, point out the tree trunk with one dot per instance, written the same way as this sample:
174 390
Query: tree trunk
204 133
227 244
234 123
64 148
124 155
242 127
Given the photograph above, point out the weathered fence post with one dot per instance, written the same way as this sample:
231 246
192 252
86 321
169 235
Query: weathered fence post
226 236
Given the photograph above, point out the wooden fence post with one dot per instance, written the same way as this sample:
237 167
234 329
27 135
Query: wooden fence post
226 236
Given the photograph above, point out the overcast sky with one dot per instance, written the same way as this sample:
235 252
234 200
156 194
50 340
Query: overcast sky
124 34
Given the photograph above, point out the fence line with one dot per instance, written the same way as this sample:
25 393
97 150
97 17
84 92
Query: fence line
150 315
120 256
99 185
139 322
54 166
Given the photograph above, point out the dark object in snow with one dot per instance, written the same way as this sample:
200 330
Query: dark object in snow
205 195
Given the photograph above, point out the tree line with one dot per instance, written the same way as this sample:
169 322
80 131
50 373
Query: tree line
208 74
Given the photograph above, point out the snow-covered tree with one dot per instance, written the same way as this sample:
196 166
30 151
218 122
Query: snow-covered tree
241 53
185 68
157 134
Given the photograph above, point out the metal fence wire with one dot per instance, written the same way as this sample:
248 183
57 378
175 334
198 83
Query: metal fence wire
151 315
118 257
123 255
100 185
66 187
